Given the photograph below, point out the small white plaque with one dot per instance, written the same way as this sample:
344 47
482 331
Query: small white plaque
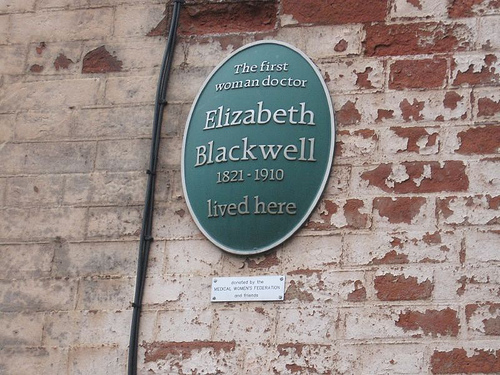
254 288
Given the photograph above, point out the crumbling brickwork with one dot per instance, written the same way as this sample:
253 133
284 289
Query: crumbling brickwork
395 272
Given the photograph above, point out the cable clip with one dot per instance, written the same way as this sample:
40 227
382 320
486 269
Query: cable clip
150 172
148 238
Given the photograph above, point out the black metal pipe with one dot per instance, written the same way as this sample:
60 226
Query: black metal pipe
147 220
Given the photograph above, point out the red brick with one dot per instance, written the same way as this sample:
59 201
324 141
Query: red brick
269 260
355 219
399 210
384 114
100 60
412 110
415 135
491 321
363 81
492 326
348 114
483 140
403 107
487 107
482 285
62 62
341 46
392 257
431 322
471 210
415 38
40 48
335 11
451 99
415 3
432 238
350 212
470 310
470 8
443 207
399 288
157 350
227 17
422 177
358 294
473 76
161 29
462 8
330 208
413 74
36 68
457 361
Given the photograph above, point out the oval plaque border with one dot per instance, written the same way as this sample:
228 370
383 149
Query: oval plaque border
320 191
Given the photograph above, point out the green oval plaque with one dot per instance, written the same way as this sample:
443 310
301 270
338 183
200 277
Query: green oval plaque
258 147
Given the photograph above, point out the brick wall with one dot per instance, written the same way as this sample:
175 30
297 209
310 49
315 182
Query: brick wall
396 272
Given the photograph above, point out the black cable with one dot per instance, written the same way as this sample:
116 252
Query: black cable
147 220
